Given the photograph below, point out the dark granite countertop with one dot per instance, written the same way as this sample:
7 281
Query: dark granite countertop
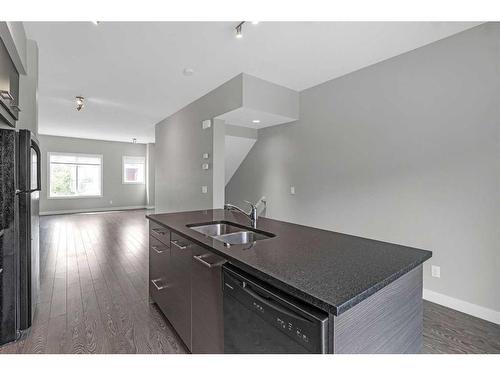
330 270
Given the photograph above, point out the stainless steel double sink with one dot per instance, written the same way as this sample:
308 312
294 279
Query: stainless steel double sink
230 233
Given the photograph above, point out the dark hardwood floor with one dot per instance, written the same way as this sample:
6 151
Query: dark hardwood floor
94 295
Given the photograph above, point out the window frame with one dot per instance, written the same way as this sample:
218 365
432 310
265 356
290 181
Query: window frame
123 170
49 192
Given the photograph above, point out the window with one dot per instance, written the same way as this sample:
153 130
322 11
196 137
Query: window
75 175
133 169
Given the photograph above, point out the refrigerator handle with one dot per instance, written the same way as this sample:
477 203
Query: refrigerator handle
35 147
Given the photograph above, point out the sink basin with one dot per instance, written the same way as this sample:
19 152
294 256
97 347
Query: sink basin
240 238
230 233
216 229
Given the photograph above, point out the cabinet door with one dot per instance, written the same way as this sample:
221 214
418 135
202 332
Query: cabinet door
159 232
181 287
9 85
206 302
160 275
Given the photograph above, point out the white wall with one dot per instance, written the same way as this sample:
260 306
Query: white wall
121 195
405 151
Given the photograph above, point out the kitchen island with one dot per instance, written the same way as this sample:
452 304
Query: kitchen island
370 290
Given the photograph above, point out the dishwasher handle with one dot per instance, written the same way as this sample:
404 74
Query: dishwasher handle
246 288
272 304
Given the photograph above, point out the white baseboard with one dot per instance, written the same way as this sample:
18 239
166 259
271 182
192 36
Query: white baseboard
83 210
150 207
463 306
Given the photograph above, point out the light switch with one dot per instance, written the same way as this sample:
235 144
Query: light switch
204 189
436 271
206 155
206 124
292 190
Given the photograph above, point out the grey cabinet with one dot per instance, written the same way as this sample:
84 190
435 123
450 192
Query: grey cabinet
185 281
180 316
206 296
9 87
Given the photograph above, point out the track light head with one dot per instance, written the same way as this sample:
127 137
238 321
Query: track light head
239 34
239 30
79 102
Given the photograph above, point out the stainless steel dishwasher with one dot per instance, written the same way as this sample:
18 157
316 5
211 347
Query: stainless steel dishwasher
260 319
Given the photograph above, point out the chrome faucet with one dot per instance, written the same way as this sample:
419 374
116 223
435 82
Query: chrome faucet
252 214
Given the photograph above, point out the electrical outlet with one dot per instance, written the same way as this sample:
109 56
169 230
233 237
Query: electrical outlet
292 190
436 271
110 202
204 189
204 166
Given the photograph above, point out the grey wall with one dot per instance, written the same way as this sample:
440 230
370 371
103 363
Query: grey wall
269 97
28 91
405 151
179 146
121 195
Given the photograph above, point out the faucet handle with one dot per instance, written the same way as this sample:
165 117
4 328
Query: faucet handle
253 206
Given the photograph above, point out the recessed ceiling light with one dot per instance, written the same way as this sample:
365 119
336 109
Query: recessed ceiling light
188 71
256 121
255 22
95 22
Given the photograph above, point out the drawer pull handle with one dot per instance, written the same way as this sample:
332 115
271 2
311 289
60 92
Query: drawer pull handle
200 259
155 248
6 95
158 231
176 243
155 281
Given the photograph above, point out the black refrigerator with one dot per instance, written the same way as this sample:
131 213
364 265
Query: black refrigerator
20 162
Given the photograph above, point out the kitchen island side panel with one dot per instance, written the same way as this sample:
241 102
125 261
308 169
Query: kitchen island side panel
389 321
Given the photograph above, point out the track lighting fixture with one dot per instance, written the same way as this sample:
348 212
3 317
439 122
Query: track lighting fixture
239 28
79 102
134 140
239 31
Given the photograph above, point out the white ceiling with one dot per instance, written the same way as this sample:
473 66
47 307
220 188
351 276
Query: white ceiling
132 72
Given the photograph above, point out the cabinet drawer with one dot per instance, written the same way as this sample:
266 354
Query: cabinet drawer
160 274
159 232
181 286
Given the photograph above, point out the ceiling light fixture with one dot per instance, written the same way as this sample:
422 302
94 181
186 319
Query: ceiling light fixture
239 31
79 102
256 121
